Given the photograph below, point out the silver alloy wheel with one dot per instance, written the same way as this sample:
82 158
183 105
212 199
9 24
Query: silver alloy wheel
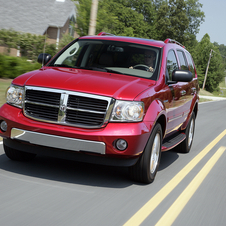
191 133
155 152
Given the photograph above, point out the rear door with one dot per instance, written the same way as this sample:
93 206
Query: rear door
171 103
184 91
180 91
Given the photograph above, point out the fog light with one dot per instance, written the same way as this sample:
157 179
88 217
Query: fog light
3 126
121 144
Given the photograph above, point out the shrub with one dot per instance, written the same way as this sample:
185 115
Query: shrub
51 49
65 40
11 67
31 45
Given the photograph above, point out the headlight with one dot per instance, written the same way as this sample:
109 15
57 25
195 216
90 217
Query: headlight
128 111
14 95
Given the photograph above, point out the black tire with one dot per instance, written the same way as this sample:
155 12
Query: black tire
147 166
16 155
185 146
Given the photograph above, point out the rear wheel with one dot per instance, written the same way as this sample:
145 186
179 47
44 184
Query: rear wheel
16 155
147 166
185 146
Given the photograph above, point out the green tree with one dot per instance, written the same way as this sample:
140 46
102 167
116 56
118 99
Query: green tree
222 49
83 16
120 17
147 9
171 20
195 16
156 19
129 22
216 67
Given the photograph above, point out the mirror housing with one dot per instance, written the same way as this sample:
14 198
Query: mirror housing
180 75
43 58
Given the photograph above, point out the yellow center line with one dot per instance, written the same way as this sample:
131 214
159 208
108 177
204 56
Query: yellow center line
148 208
172 213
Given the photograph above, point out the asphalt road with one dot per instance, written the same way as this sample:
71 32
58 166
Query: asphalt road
189 189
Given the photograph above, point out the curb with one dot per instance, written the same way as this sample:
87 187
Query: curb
212 98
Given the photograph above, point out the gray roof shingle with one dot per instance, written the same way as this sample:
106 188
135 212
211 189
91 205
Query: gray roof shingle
34 16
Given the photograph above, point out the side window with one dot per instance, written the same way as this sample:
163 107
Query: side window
171 63
191 64
182 59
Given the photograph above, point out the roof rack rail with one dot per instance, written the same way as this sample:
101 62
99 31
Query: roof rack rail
168 40
105 34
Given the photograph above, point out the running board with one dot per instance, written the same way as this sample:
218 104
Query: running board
170 143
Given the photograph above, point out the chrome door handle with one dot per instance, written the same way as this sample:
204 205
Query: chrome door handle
193 90
182 92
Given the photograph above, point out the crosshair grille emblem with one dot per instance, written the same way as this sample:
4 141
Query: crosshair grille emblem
63 108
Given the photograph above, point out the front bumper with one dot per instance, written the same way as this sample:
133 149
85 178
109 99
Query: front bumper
69 155
53 141
92 141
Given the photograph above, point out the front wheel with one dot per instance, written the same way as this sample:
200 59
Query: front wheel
147 166
16 155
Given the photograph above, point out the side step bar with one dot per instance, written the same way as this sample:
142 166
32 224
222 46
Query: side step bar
170 143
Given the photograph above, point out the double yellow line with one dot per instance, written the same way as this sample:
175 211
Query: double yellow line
169 217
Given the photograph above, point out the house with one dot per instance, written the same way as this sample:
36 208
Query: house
40 17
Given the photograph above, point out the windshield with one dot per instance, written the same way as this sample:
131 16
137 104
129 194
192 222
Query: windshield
111 56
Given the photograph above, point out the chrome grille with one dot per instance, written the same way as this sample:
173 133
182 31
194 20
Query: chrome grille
66 107
44 97
87 103
85 118
41 112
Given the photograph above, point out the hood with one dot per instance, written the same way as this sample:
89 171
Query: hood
94 82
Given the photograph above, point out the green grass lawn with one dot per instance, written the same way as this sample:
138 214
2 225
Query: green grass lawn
222 87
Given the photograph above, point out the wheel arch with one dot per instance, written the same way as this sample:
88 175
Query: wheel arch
162 121
156 113
195 109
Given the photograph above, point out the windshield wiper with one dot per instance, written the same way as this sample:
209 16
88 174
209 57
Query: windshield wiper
101 69
62 65
112 71
93 68
104 69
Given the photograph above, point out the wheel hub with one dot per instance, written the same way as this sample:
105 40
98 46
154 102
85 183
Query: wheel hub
155 152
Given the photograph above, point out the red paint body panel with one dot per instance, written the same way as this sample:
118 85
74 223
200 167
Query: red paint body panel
86 81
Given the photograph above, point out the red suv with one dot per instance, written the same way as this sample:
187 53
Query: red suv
105 99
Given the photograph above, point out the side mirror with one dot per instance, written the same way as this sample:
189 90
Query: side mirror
43 58
180 75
